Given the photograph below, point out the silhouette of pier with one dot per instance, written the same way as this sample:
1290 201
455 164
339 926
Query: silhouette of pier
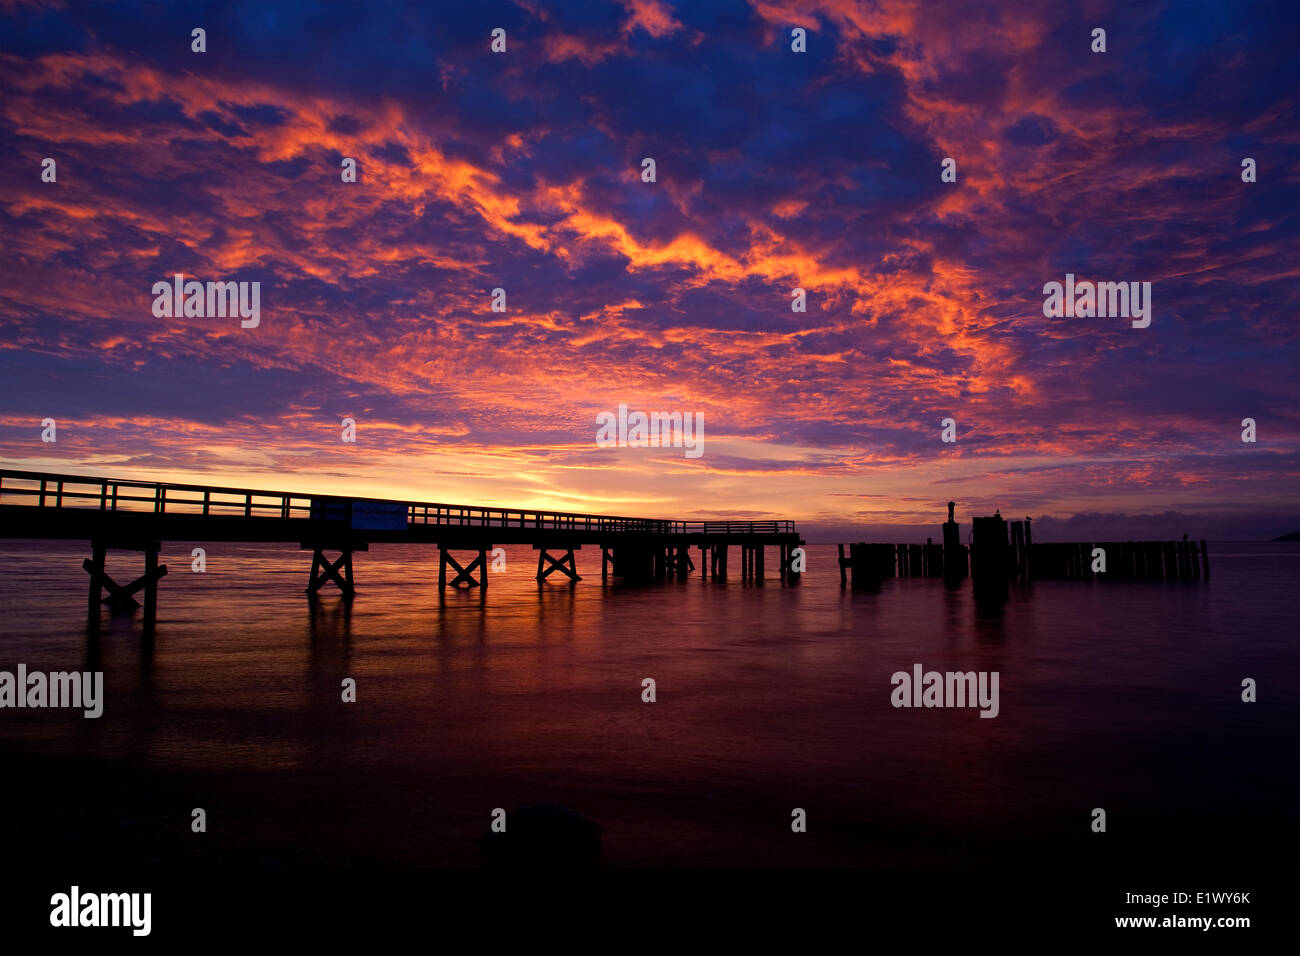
130 515
1002 551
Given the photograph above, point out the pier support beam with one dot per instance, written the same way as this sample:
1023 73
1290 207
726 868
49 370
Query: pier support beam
788 573
95 565
152 574
324 570
634 563
676 562
954 554
122 597
989 559
463 574
338 570
1019 563
565 564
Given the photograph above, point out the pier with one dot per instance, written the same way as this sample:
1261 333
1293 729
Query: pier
140 516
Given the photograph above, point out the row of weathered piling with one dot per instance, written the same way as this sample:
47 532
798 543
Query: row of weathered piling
658 561
879 561
1000 553
1124 560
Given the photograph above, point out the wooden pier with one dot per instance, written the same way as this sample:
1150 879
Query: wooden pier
139 516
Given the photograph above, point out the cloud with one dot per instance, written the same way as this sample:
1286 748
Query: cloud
775 171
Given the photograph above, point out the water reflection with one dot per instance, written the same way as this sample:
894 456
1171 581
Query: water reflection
518 695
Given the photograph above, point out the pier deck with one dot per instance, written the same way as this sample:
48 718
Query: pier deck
125 514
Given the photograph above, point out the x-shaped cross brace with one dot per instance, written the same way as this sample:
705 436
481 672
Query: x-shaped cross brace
330 571
120 596
465 574
564 563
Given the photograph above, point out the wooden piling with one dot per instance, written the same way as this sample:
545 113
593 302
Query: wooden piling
151 587
96 577
566 564
954 558
989 557
121 597
463 574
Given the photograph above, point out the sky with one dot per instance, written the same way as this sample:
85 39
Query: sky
774 170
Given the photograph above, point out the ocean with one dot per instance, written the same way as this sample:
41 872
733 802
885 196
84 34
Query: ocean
769 700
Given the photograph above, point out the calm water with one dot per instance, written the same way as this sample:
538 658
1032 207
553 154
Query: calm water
1119 695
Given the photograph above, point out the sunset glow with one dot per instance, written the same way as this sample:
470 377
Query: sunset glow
774 172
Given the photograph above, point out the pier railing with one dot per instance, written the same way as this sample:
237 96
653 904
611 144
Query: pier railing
48 490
